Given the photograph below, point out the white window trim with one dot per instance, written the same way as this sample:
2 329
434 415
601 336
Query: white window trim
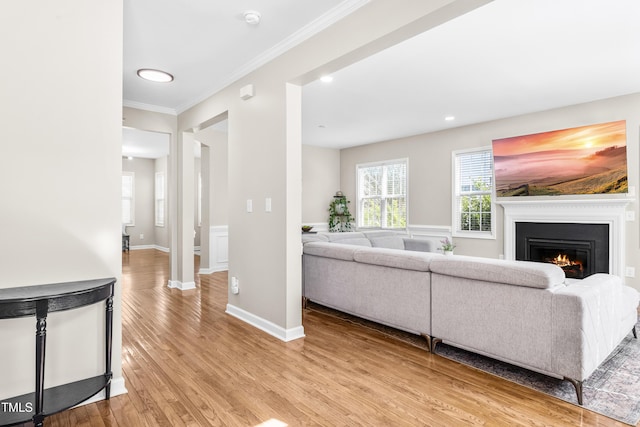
454 201
404 160
133 198
158 223
199 199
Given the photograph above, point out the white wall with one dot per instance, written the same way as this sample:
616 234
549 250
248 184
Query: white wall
265 150
214 243
219 182
163 123
161 233
429 155
60 173
320 181
144 201
197 169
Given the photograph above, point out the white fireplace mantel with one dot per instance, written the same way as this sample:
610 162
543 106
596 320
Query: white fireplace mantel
586 211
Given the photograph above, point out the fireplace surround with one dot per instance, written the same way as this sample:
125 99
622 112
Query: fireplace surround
580 249
609 211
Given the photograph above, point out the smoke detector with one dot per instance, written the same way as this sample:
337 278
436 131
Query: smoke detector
252 17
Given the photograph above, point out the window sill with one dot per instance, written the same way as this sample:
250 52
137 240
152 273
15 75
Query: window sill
487 235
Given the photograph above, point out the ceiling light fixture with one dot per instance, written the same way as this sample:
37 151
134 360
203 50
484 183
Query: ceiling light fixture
155 75
326 79
449 118
252 17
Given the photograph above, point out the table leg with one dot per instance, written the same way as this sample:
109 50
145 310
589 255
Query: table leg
42 309
109 343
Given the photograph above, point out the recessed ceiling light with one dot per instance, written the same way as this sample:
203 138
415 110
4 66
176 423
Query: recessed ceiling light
155 75
252 17
450 118
326 79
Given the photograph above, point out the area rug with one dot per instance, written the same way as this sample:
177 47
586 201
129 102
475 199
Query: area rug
612 390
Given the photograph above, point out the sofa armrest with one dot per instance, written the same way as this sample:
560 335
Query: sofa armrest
590 319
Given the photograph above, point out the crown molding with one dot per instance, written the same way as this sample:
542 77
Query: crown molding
306 32
149 107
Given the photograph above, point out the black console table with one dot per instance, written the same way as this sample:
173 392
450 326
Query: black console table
38 301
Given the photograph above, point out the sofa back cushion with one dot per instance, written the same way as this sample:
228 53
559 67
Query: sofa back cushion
519 273
330 250
306 238
349 238
418 261
420 245
389 242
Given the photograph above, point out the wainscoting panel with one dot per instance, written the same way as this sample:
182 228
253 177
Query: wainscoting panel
218 249
432 233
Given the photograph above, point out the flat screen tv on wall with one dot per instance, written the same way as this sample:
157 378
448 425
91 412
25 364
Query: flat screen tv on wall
583 160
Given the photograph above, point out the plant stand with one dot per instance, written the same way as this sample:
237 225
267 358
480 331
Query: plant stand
340 218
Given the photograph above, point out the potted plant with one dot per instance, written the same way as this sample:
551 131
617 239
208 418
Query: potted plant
340 218
447 246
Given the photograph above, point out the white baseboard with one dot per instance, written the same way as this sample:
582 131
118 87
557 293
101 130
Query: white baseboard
183 286
212 270
140 247
117 388
266 325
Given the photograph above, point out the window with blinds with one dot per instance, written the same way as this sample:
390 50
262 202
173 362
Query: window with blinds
128 185
473 208
382 195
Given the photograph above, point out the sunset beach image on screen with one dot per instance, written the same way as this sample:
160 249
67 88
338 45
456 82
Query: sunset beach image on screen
583 160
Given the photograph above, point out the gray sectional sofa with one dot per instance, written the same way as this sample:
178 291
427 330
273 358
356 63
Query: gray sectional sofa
524 313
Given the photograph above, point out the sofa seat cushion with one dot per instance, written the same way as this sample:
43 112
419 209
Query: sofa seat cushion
519 273
330 250
418 261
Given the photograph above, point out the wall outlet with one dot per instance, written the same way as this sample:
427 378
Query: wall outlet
235 286
141 236
630 272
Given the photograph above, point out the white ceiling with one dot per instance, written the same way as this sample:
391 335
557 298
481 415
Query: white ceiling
503 59
207 45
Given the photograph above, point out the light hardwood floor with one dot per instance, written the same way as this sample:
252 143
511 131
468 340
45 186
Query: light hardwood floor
187 363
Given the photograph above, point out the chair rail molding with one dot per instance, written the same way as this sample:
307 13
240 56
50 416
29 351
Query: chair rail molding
429 231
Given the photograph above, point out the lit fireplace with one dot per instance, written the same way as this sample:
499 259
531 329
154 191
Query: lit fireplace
571 267
579 249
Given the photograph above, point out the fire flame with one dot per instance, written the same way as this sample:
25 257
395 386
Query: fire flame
562 260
